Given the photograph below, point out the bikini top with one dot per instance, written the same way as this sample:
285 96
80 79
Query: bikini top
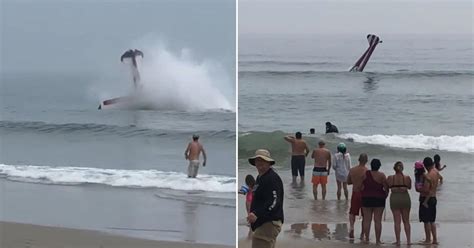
398 185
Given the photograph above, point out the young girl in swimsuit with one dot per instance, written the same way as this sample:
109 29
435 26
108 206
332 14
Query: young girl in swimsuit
437 162
247 190
421 179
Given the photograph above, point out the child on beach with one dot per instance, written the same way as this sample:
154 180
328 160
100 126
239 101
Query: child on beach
247 190
437 162
421 179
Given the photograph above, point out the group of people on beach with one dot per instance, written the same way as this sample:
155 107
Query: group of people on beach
370 188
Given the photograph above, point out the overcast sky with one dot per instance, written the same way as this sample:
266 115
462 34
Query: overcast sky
343 17
83 35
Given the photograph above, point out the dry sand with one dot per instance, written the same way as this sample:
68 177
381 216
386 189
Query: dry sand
14 235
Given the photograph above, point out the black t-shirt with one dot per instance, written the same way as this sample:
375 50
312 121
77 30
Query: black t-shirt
267 203
332 129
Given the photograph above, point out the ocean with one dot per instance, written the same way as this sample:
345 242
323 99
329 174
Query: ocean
55 141
414 99
65 163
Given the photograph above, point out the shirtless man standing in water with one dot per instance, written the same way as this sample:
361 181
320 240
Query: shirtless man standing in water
354 178
322 166
192 154
299 151
427 214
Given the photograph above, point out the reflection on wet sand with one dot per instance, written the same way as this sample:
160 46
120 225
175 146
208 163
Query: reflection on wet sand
191 223
297 190
320 231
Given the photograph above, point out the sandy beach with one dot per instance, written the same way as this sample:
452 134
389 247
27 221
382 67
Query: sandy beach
15 235
332 235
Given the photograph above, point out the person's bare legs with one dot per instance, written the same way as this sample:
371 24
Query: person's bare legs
315 191
397 218
378 213
406 223
338 190
427 233
351 225
346 192
294 179
323 190
433 232
366 220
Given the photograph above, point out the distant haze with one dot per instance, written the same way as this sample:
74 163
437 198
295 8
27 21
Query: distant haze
90 36
343 17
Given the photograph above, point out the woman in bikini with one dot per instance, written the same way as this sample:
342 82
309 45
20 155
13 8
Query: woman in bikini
400 202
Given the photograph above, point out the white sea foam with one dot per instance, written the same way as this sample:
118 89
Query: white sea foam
177 80
463 144
117 178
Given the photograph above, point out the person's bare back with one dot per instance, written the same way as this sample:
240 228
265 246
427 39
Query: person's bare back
194 149
322 157
298 145
357 174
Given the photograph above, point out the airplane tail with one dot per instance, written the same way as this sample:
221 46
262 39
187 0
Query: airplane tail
135 75
132 54
373 40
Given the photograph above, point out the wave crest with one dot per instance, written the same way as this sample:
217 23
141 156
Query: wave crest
117 178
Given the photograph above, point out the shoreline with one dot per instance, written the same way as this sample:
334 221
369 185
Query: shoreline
18 235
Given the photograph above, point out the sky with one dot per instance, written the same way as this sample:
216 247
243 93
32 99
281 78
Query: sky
85 35
355 16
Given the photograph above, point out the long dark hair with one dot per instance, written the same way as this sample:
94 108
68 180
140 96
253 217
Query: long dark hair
437 160
250 181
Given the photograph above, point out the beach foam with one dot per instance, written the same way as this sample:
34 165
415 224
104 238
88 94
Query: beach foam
117 178
447 143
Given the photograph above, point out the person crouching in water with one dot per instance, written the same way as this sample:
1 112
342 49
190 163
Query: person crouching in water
342 165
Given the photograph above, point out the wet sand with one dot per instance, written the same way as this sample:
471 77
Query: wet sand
143 214
324 223
335 235
15 235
